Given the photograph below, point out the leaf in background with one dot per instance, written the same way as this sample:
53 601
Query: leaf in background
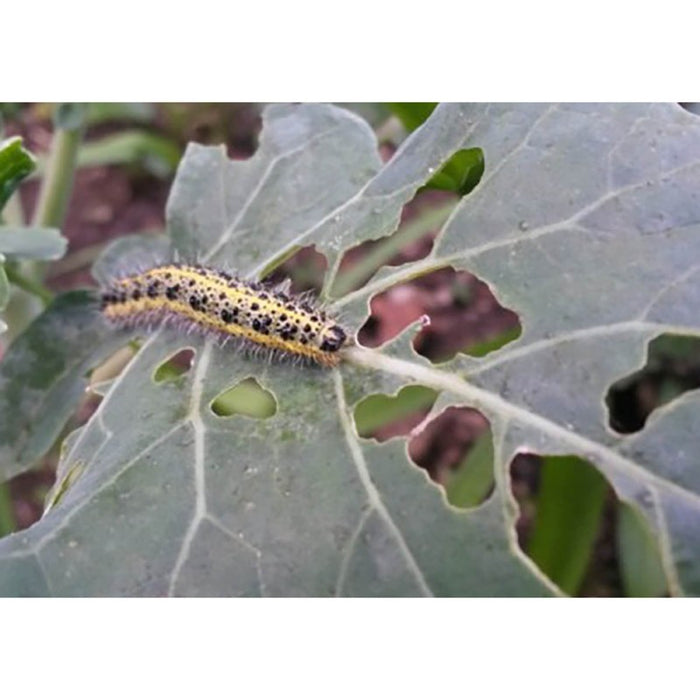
173 499
43 376
412 114
32 243
376 412
156 154
472 480
15 164
462 171
569 507
640 559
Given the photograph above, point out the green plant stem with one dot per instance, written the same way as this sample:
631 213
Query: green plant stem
58 183
55 190
29 284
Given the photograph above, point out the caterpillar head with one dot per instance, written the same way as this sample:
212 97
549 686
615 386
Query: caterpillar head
331 337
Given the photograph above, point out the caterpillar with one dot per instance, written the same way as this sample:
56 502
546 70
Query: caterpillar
212 301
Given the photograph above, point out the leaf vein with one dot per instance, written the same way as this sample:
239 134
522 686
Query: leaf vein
373 494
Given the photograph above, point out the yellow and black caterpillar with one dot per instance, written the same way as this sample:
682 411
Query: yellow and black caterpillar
211 301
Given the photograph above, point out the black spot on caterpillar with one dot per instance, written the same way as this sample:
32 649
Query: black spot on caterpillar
215 302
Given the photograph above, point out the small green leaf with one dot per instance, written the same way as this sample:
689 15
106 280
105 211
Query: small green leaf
569 508
15 164
32 243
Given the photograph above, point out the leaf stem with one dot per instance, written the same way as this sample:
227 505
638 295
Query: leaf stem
57 185
29 284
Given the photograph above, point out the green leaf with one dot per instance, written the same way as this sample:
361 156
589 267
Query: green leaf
640 559
157 154
100 112
32 242
462 171
43 375
569 507
15 164
376 412
412 114
472 480
172 499
8 523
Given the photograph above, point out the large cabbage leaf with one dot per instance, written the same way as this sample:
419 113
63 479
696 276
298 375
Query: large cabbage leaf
586 222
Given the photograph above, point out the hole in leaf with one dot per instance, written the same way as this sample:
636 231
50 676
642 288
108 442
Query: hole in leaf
462 171
22 498
383 417
247 398
672 368
456 449
464 315
306 268
111 368
575 529
421 220
174 367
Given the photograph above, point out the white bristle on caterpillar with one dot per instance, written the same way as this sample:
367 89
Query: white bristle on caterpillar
209 301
